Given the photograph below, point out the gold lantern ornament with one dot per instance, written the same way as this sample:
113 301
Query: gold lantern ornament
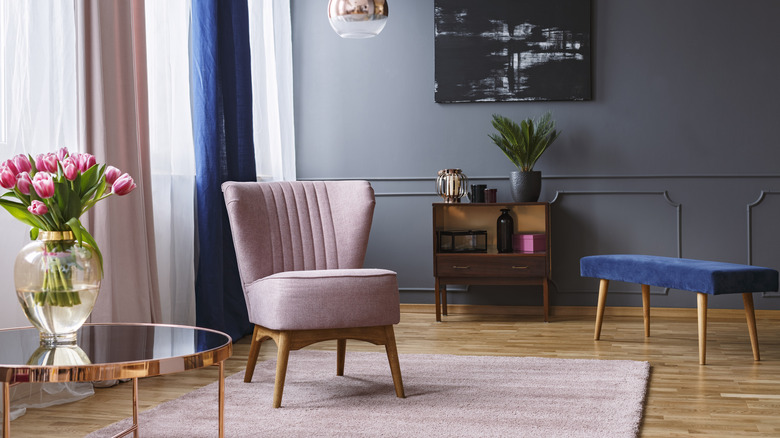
451 185
357 18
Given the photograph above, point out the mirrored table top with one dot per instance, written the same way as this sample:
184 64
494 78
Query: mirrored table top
110 351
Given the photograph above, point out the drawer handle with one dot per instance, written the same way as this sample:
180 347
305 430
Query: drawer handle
461 267
519 267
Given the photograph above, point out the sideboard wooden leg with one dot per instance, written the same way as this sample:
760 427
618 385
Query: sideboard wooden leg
546 298
437 299
444 300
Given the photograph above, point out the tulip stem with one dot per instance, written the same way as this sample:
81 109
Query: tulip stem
57 286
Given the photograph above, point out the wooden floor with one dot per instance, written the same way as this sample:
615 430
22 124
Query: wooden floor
731 396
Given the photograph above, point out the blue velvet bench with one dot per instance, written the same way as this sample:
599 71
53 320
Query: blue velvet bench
703 277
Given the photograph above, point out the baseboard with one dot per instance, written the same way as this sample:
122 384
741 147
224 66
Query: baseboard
471 309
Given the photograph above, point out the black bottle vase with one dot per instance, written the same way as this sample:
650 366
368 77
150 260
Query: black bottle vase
504 228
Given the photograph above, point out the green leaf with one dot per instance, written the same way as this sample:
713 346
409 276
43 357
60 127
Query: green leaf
55 213
34 170
523 144
61 192
85 197
75 185
21 213
74 206
75 227
89 180
34 231
82 235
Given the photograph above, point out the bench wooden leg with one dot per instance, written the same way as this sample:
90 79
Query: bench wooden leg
646 308
701 305
747 298
603 286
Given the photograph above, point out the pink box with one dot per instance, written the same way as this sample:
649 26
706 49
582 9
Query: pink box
529 242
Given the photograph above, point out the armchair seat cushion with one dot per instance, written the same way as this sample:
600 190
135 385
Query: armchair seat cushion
324 299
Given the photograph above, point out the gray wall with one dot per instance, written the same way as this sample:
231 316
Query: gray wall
675 155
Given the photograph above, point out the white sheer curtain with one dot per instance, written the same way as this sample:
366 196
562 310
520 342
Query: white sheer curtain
170 126
173 156
39 99
40 108
270 34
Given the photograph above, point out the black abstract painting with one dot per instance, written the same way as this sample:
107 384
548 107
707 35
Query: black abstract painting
512 50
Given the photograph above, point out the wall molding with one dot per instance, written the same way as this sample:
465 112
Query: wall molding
405 194
603 176
432 179
677 206
678 210
761 197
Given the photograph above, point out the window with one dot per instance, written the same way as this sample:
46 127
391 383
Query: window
3 100
38 77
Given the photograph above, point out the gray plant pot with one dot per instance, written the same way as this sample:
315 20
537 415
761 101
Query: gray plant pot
525 186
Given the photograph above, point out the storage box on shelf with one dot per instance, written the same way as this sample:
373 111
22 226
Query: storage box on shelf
529 242
491 268
462 241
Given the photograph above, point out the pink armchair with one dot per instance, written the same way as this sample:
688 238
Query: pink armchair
300 248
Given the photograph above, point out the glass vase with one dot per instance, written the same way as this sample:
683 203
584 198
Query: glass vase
504 229
57 282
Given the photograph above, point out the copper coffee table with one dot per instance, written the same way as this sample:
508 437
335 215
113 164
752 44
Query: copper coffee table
112 351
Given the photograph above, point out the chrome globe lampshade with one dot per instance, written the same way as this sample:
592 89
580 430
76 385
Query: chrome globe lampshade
357 18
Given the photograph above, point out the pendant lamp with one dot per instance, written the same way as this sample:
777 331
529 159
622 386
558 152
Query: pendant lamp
357 18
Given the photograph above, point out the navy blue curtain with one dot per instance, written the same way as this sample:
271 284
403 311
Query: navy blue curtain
221 86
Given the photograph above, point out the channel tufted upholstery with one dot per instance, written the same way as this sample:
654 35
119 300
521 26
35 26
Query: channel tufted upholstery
300 225
300 248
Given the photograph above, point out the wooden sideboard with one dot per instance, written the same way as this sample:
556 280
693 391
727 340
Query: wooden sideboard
490 267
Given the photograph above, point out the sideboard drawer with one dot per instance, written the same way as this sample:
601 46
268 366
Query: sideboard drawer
493 265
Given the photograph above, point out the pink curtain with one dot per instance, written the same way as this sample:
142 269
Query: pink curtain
115 128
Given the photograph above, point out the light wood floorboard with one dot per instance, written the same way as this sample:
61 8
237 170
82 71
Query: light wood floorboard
731 396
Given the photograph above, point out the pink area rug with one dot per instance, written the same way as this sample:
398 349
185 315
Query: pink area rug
446 396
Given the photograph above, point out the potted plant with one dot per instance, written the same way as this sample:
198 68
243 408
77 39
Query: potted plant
523 144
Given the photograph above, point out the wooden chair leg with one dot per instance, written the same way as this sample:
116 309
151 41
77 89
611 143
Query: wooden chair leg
341 352
701 305
283 344
603 286
254 351
392 358
646 308
750 313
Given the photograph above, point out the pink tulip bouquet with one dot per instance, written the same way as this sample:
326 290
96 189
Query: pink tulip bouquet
51 191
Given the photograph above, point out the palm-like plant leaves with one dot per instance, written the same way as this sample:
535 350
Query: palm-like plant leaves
523 144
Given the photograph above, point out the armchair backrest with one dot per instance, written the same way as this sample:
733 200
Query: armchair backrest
298 225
